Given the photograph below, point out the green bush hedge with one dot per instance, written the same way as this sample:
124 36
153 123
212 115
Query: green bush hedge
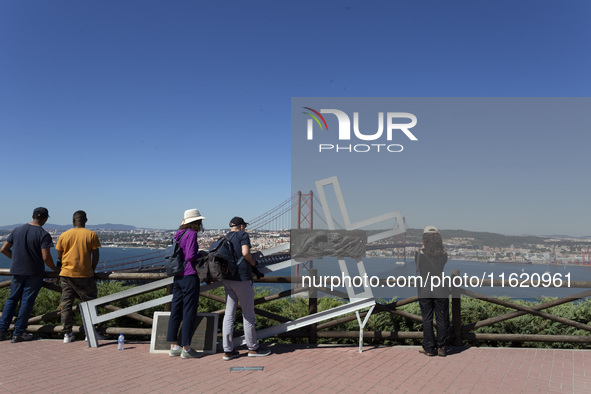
473 310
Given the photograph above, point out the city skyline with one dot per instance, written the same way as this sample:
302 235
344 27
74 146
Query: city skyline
126 228
137 111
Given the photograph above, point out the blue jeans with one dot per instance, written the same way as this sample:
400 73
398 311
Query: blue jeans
23 288
183 308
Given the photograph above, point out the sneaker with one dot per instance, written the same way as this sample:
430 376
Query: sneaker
260 352
68 337
426 353
191 353
98 335
441 352
175 352
230 355
27 336
4 335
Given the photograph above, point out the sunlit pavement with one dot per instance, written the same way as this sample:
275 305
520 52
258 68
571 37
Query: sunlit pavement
53 366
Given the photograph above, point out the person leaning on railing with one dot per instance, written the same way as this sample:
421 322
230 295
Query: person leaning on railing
185 289
430 261
240 288
28 248
78 251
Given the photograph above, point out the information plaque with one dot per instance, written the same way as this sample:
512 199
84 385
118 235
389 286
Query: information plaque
204 338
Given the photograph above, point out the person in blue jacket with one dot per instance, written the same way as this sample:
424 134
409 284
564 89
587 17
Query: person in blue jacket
240 288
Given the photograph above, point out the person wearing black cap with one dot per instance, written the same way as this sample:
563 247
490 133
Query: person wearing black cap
430 261
78 250
28 248
240 289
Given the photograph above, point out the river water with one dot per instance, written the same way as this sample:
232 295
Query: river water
112 258
475 271
381 268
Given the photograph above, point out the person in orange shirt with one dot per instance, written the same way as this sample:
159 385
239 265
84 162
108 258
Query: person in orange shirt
78 250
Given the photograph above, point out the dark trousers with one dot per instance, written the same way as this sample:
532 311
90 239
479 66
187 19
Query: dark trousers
185 300
439 306
85 288
23 288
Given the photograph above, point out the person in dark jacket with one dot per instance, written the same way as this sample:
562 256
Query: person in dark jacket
430 261
185 289
240 289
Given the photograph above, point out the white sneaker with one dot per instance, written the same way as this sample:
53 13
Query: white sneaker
99 337
68 337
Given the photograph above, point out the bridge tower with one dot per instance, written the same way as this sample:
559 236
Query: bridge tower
305 211
400 244
305 221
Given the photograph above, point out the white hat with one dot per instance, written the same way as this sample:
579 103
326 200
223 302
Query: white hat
191 215
430 229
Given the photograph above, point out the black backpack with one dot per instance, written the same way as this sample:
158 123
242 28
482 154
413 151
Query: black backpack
174 258
222 260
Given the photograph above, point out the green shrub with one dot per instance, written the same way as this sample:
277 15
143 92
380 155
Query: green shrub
473 310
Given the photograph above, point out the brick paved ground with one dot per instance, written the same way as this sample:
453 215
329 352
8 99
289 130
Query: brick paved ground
52 366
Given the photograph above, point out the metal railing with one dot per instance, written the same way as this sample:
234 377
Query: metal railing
315 325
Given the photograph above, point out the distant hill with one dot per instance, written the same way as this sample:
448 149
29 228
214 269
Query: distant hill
94 227
112 227
582 237
480 239
494 240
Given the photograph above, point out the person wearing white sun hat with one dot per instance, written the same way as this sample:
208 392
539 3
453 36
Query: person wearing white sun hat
185 289
191 215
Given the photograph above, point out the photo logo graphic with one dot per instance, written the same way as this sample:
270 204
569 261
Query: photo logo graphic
344 130
316 119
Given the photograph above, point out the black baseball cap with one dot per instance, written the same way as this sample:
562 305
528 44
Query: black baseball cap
40 212
237 221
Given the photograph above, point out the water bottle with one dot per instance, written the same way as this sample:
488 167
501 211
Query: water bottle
121 342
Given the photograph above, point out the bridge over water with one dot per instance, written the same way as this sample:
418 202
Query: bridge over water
278 218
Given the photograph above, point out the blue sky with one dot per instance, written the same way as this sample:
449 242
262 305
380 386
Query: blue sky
135 111
501 164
